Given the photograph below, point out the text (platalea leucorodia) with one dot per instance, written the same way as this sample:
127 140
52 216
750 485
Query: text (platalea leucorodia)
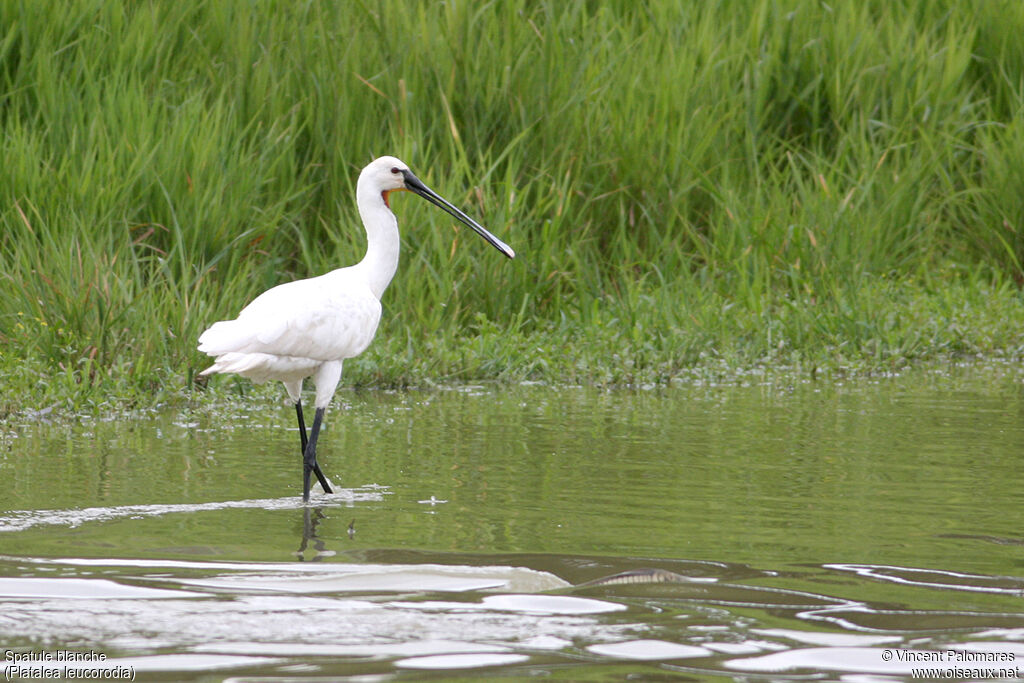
307 328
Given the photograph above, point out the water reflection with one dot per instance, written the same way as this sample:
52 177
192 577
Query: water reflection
311 518
474 612
801 527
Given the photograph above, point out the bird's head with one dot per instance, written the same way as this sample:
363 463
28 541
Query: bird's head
386 174
389 174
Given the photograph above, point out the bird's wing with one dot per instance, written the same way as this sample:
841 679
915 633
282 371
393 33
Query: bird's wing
312 318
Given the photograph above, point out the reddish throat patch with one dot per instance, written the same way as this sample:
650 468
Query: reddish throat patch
384 195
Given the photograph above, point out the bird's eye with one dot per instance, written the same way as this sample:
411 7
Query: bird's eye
395 170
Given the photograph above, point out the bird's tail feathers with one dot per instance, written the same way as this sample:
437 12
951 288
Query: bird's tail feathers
260 367
221 338
234 362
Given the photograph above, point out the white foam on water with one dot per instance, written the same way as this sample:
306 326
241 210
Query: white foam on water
20 520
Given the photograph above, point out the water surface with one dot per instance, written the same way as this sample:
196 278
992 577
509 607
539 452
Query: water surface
800 528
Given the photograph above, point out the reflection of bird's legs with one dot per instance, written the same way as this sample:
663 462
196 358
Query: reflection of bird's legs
316 467
309 525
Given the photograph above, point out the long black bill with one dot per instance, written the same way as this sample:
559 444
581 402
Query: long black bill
414 184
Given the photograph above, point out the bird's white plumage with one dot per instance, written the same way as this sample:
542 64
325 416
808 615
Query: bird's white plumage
289 330
308 327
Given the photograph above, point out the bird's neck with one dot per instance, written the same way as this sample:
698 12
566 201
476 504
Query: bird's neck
382 241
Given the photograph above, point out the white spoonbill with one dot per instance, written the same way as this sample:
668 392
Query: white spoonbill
307 328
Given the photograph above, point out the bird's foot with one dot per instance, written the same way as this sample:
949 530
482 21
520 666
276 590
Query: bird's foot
325 483
310 466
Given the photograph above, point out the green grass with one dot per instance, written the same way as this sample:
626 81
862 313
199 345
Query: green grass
689 186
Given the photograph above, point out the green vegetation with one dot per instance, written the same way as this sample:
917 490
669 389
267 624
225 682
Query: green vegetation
690 187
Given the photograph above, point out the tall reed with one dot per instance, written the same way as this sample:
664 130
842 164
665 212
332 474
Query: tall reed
740 179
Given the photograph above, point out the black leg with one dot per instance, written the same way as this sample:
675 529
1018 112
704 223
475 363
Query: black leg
302 436
309 458
302 424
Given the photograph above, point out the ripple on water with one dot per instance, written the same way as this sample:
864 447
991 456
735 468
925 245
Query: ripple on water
825 525
264 616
